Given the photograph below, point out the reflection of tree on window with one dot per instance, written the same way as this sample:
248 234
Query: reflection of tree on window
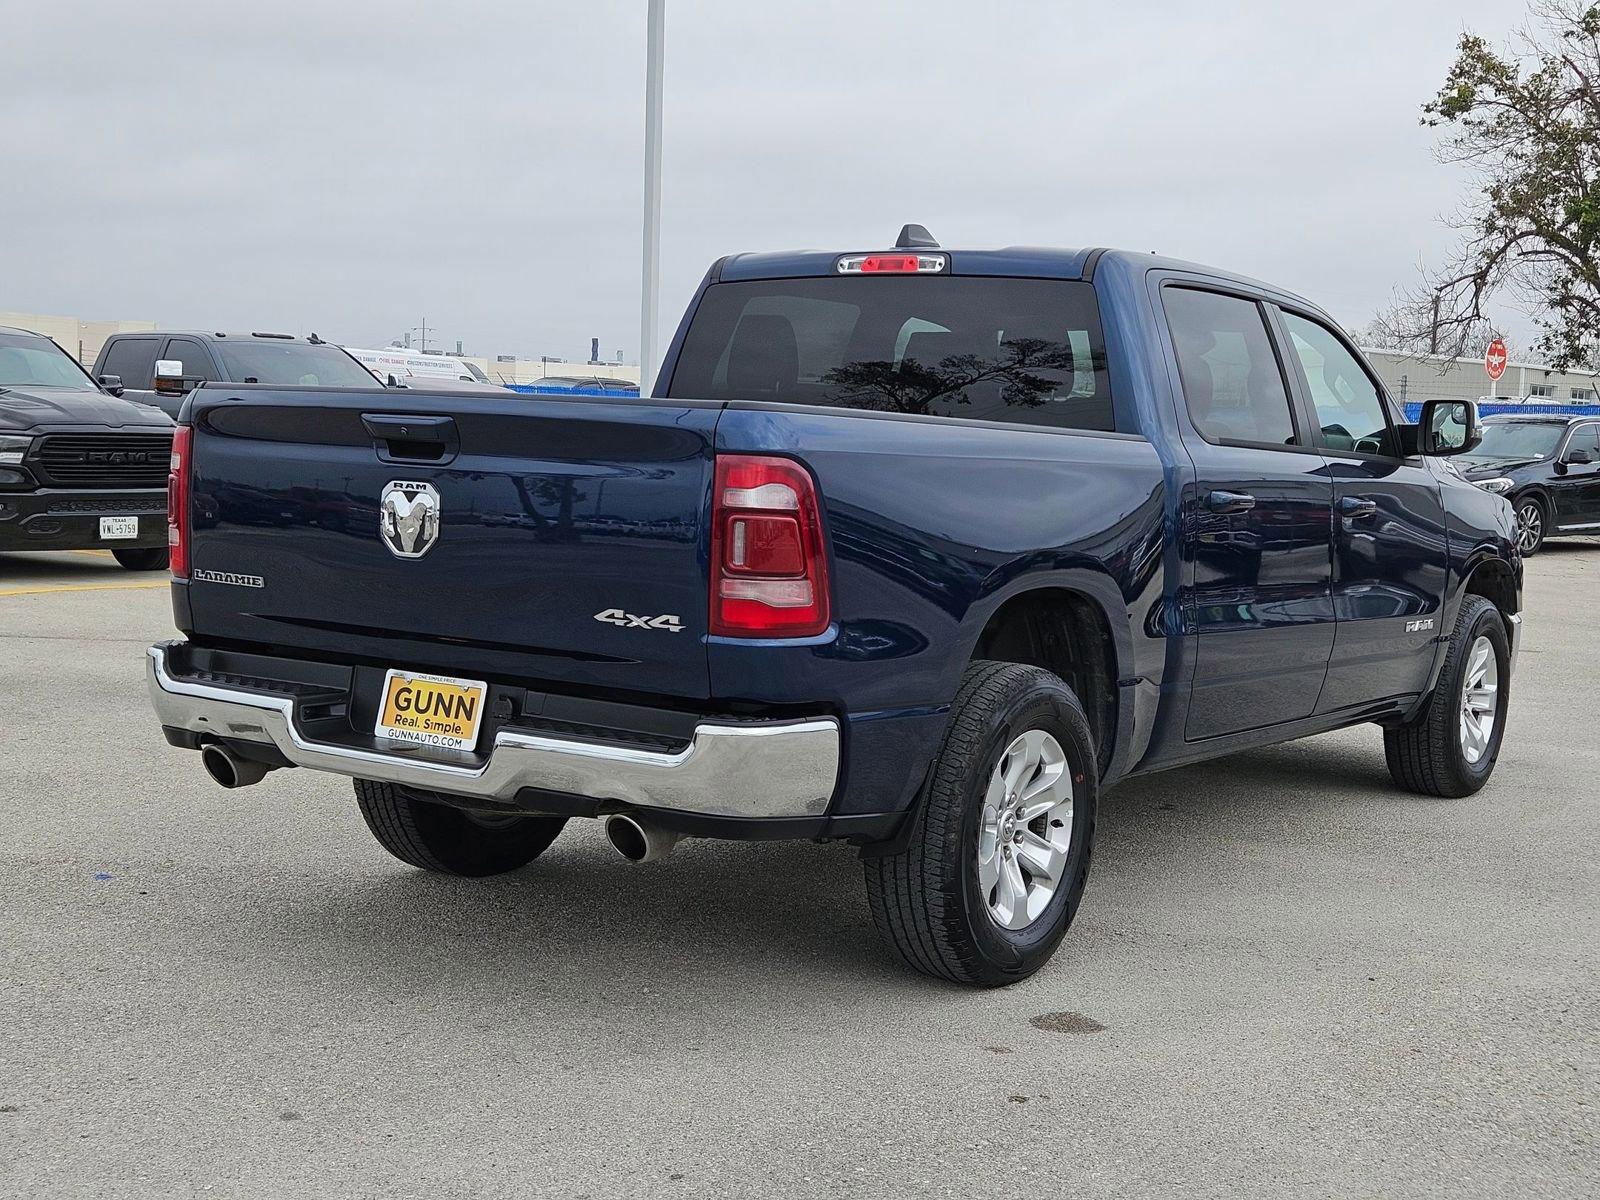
914 387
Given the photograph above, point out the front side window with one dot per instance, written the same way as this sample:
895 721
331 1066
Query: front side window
1350 411
1026 351
1231 381
196 362
38 362
133 360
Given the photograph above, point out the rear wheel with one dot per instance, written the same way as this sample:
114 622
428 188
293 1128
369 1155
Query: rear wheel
1531 522
417 828
999 854
142 560
1450 747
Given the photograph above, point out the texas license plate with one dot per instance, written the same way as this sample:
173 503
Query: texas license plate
112 528
431 710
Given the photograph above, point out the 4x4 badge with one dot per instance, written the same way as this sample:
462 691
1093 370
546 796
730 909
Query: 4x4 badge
628 620
408 518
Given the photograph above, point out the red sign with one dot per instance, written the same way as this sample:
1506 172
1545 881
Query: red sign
1494 361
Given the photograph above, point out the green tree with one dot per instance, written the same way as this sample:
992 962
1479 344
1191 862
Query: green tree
1527 120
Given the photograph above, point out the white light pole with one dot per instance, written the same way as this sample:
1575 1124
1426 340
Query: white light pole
654 41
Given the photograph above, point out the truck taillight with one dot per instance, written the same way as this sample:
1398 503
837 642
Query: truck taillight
769 566
178 503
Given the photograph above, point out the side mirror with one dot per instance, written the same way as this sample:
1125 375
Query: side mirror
1578 457
169 378
111 384
1448 427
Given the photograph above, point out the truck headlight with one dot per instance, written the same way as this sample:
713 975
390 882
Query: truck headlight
1499 486
13 448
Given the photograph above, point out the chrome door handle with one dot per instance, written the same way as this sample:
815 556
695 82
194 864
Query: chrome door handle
1357 508
1230 502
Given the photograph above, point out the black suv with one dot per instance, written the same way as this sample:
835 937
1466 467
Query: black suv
163 368
1548 467
80 468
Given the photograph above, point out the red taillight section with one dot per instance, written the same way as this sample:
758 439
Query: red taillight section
178 503
891 264
769 568
888 262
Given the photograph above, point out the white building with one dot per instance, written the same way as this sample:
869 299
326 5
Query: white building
79 338
1412 378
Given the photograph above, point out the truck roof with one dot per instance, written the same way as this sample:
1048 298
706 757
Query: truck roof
217 333
1035 262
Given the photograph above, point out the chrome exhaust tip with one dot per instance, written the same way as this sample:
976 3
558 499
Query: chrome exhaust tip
228 769
639 841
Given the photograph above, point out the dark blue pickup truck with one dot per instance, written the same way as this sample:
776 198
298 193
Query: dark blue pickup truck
916 549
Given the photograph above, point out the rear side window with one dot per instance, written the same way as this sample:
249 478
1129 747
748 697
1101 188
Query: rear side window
1350 414
134 360
1231 381
1028 351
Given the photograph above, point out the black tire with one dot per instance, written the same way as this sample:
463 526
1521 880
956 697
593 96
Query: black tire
926 900
419 830
142 560
1533 523
1426 754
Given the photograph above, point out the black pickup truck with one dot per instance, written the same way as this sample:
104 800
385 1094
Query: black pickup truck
161 368
80 467
917 549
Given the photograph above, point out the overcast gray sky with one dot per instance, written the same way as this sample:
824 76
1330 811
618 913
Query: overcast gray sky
352 167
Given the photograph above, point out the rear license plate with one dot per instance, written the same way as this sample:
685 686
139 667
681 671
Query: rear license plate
112 528
431 710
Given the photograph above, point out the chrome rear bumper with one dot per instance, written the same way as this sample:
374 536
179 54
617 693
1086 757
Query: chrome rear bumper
753 769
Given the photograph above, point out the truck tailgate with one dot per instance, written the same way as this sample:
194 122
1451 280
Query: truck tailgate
567 545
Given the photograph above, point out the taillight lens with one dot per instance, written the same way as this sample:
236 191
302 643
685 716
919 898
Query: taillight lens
178 503
769 568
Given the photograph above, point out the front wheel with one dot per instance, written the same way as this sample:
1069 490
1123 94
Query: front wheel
419 829
142 560
1450 747
998 856
1530 525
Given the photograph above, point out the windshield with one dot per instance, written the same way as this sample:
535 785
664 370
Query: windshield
291 363
27 361
1027 351
1518 439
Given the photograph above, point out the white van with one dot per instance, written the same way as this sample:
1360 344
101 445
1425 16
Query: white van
413 368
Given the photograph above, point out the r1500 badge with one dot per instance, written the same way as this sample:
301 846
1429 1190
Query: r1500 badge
628 620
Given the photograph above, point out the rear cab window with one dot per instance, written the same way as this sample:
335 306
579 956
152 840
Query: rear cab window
1017 350
291 364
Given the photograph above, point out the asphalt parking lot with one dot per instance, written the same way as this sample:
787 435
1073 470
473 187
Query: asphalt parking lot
1308 983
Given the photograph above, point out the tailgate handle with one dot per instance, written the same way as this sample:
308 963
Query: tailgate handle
412 437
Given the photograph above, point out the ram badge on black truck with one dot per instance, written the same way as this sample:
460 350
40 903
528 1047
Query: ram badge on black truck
80 467
916 549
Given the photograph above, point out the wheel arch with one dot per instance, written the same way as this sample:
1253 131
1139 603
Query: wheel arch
1494 580
1066 629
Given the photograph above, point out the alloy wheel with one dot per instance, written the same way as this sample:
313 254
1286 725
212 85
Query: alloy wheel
1530 527
1025 835
1480 700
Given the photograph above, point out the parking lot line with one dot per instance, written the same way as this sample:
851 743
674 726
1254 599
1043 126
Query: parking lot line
82 587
